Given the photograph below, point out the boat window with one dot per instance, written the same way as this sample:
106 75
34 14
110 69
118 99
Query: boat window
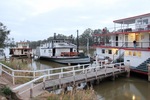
145 21
126 53
44 51
134 53
139 22
62 44
116 52
130 53
139 54
109 51
103 50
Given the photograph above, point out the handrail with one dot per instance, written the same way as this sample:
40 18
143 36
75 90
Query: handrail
73 71
47 71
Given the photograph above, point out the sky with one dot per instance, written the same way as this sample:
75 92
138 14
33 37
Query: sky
35 20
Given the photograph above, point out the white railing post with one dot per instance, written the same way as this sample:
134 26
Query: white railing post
49 72
60 79
0 70
31 90
61 72
74 74
73 71
79 66
34 74
13 78
96 71
44 79
83 69
113 70
85 74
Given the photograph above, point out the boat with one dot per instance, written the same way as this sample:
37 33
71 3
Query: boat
22 50
61 51
2 54
121 46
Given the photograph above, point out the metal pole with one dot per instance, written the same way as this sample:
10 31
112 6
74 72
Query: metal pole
87 46
77 42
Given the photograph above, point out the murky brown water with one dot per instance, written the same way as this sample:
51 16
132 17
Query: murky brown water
124 89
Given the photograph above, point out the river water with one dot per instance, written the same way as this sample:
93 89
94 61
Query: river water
133 88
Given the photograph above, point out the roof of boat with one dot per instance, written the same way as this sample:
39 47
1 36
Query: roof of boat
131 20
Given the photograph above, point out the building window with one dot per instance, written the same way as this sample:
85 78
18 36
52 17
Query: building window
103 50
109 51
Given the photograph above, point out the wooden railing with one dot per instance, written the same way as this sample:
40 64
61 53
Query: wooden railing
76 70
35 73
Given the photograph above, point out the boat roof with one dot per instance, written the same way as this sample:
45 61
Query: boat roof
131 20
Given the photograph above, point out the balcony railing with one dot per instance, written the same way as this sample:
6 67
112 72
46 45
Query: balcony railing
124 44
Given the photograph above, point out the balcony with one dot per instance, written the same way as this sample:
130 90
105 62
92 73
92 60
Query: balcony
125 29
124 45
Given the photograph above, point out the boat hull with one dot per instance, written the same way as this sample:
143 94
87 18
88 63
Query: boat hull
68 60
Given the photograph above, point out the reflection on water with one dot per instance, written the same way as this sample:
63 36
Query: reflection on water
123 89
36 64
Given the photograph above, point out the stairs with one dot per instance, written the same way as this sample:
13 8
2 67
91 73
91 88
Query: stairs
143 66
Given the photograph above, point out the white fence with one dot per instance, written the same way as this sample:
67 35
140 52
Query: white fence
76 70
35 73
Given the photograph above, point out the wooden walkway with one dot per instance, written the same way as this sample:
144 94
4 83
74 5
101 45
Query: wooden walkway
84 77
58 77
74 77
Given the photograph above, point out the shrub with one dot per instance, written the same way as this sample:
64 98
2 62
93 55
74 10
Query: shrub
6 90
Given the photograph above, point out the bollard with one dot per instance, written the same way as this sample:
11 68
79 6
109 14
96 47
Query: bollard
148 65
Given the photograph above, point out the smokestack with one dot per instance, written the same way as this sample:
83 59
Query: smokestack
54 35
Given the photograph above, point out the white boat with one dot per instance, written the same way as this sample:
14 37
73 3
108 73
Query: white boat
61 51
121 45
21 50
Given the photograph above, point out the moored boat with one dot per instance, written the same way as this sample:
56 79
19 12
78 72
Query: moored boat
22 50
129 43
61 51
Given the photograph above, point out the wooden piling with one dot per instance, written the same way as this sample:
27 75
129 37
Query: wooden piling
127 68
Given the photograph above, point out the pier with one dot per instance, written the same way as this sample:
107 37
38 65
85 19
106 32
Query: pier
48 79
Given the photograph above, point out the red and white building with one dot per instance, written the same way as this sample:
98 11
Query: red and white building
22 49
120 44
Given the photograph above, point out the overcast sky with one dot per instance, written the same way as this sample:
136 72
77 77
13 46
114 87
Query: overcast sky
39 19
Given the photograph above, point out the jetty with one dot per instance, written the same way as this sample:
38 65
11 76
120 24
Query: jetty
48 79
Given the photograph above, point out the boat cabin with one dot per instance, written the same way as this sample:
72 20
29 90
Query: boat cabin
22 49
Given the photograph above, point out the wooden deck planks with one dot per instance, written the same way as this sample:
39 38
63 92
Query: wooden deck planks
83 76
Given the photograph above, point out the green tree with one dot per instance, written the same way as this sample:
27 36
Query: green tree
3 34
87 34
